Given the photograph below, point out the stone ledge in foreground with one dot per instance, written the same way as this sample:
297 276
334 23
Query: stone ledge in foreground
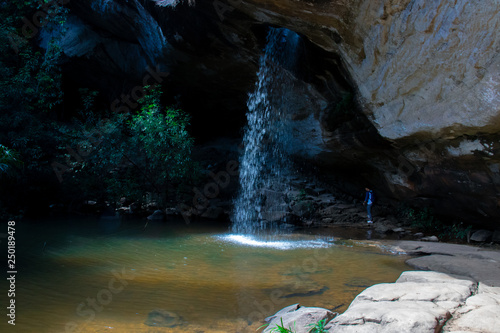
418 302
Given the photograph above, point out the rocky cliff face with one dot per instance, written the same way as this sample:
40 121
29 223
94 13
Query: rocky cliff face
403 95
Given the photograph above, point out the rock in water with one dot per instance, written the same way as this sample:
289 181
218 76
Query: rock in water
163 318
157 215
299 318
481 236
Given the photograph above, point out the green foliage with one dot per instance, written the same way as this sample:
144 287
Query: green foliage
282 329
8 159
426 220
456 231
30 77
423 219
137 156
318 327
88 99
30 87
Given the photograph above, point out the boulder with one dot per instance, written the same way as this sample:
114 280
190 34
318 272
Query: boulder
481 236
329 211
303 208
325 199
300 319
419 302
171 211
430 239
163 318
282 312
157 215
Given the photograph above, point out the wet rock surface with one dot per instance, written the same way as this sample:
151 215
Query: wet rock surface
163 318
477 263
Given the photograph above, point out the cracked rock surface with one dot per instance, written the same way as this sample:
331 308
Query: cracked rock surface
418 302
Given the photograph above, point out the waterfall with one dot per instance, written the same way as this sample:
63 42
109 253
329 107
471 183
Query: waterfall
264 165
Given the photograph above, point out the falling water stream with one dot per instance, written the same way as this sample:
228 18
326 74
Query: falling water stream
264 165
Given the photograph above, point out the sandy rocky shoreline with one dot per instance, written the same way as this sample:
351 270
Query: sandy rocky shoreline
455 289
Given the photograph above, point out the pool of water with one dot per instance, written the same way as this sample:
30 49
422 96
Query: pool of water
109 275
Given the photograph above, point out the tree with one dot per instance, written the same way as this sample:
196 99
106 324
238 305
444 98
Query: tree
141 157
8 159
30 90
30 76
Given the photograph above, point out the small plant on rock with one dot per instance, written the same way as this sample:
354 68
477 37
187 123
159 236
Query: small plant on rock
318 327
282 328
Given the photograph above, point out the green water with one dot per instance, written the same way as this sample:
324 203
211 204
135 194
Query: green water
107 276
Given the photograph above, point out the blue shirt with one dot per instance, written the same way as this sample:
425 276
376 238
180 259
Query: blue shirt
369 197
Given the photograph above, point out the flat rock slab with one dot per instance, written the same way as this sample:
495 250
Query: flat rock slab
474 262
422 302
486 271
418 302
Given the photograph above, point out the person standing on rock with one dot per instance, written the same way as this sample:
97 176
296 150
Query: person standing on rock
368 202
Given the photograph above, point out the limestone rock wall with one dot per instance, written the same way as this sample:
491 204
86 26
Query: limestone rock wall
419 66
426 76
